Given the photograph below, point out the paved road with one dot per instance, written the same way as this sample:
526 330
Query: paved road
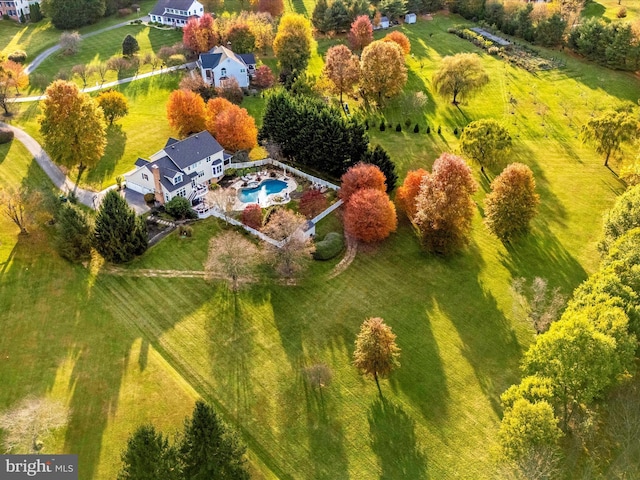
49 51
59 179
114 83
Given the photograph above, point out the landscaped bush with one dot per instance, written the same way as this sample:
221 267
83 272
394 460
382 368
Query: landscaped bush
329 247
123 12
176 59
149 197
6 135
185 231
19 56
179 208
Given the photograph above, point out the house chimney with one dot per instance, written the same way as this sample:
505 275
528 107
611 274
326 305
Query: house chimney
158 186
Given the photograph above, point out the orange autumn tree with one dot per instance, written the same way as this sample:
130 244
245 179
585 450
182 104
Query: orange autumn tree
199 34
186 112
274 7
401 39
361 175
214 107
370 216
235 129
407 193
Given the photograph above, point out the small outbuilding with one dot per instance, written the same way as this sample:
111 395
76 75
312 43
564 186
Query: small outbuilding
384 22
410 18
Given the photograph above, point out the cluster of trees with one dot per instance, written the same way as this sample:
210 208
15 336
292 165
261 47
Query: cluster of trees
338 15
118 234
207 448
66 14
615 44
378 74
369 214
583 354
299 126
234 259
231 125
440 204
246 31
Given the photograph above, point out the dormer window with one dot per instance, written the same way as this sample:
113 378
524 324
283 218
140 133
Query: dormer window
177 178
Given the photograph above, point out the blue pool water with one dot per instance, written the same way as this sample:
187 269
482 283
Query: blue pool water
269 187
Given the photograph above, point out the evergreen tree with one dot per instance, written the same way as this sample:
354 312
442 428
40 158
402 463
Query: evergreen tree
318 15
118 236
209 450
149 456
337 17
129 46
68 14
36 13
74 234
379 157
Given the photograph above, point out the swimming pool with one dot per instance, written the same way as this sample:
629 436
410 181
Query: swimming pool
267 187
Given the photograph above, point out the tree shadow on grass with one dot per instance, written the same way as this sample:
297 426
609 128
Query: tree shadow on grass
540 254
4 151
113 153
231 355
393 440
489 342
326 435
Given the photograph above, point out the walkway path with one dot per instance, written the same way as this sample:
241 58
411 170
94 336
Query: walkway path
114 83
49 51
59 179
349 256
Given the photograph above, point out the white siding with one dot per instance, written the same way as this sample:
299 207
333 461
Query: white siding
138 183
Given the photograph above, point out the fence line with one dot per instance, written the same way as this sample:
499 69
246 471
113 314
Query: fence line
329 210
286 168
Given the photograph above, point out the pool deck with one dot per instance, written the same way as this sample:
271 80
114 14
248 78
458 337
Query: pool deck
264 202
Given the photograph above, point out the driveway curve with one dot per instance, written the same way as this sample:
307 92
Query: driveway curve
59 179
50 51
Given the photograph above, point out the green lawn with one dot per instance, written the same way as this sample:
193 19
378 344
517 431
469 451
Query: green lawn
99 48
36 37
608 9
121 350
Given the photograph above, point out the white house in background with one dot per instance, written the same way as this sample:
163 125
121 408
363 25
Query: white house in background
410 18
220 64
182 168
176 12
15 8
384 22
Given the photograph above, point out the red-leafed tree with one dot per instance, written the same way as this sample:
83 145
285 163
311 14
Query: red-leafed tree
361 175
370 216
213 108
444 207
407 193
401 39
199 34
342 68
263 77
252 216
235 129
312 203
361 33
186 112
274 7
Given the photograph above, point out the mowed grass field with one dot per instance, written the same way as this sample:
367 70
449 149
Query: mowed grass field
122 350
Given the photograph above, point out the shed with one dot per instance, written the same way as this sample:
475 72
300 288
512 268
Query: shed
384 22
410 18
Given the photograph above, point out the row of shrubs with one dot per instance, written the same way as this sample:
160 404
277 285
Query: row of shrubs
416 128
473 37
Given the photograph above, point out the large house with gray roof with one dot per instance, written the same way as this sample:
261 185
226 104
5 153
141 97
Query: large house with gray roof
220 64
176 12
182 168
